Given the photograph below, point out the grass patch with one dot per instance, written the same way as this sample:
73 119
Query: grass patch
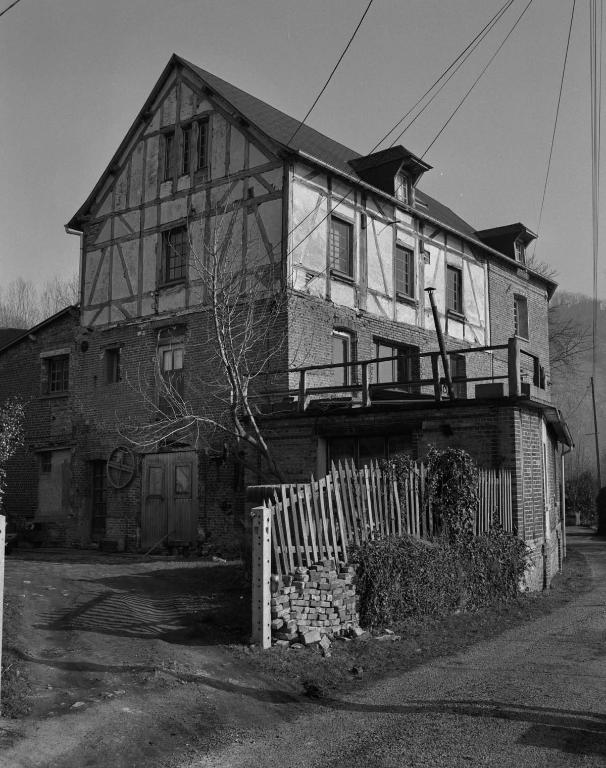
361 662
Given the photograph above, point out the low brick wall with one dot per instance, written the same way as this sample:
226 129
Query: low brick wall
315 601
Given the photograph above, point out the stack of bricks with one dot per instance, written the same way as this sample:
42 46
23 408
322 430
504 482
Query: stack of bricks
321 597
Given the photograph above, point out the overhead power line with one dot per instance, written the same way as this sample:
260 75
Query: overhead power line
334 69
595 63
477 80
7 9
555 126
459 60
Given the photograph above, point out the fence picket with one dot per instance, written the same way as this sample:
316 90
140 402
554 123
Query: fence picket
281 534
331 518
310 522
336 483
322 489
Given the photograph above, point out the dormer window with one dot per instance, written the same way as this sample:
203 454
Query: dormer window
402 188
519 248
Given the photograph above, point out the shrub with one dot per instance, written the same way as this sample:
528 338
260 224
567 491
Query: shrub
452 483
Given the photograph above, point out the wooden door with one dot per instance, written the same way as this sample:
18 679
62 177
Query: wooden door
170 498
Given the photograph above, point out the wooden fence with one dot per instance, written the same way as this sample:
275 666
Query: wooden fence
321 519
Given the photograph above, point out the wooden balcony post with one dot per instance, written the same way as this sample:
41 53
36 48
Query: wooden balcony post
302 390
365 387
513 367
435 372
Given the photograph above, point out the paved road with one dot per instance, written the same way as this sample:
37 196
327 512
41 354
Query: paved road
536 696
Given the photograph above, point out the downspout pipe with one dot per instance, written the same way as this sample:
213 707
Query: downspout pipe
443 355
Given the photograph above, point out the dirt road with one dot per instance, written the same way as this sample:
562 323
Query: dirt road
536 696
129 669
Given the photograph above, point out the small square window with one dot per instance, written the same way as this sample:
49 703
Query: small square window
46 462
520 316
454 290
168 156
112 366
404 271
341 246
58 374
175 248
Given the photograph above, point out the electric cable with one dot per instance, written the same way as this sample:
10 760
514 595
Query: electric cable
334 69
457 64
7 9
555 126
476 81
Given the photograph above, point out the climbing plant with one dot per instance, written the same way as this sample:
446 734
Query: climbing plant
452 484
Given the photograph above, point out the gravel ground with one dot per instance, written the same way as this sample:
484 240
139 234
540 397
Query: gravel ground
535 696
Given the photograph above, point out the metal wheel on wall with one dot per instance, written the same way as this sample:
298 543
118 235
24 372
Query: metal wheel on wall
120 467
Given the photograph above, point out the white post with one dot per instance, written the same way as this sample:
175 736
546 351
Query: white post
261 576
2 538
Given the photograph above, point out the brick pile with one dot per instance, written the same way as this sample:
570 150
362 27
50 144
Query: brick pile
315 601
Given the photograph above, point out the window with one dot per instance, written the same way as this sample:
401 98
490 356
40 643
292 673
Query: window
58 374
364 448
46 462
202 144
404 368
175 247
99 497
403 188
170 359
519 249
405 285
458 369
340 247
186 134
168 170
112 366
454 290
520 316
341 353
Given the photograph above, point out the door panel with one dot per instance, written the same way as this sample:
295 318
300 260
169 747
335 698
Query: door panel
170 498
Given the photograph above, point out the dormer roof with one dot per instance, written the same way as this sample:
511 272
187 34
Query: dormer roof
381 168
508 232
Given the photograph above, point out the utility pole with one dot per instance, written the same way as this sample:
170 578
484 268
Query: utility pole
597 437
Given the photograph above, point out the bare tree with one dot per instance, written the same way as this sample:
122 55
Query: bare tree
241 302
23 305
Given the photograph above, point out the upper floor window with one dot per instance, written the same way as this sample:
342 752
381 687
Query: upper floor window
202 144
112 365
186 137
519 249
454 290
402 368
57 374
403 191
520 316
175 248
170 359
404 272
340 247
168 155
342 353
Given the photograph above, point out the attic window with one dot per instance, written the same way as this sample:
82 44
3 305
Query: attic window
168 156
402 190
519 248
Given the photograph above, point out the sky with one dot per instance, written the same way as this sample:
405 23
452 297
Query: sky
74 74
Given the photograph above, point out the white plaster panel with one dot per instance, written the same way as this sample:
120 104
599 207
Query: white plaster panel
455 243
154 123
183 182
217 147
171 210
147 305
87 317
474 299
455 260
404 218
92 263
308 240
379 305
169 108
202 105
149 262
131 218
188 102
171 299
106 205
120 190
236 151
135 195
151 168
105 232
379 248
120 230
196 294
270 213
256 156
342 294
120 270
166 188
150 219
198 201
406 313
455 328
